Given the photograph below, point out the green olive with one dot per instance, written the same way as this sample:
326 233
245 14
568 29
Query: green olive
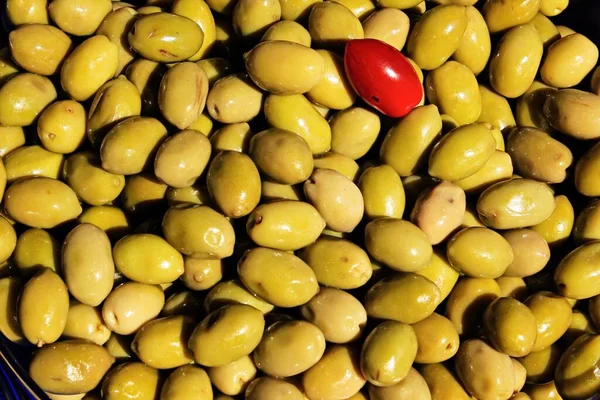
23 97
162 343
498 168
131 380
441 273
41 202
515 203
70 367
536 155
439 211
298 11
354 131
333 90
553 316
115 27
295 283
38 48
199 12
501 15
87 264
35 250
413 386
143 194
383 192
273 355
336 376
251 18
284 68
510 326
61 126
267 388
187 383
233 137
413 138
85 322
182 94
485 372
146 76
515 61
233 378
124 153
576 274
462 152
540 365
13 137
30 161
285 225
233 292
389 25
296 113
340 163
495 110
575 373
437 339
201 274
10 289
290 31
443 383
388 353
324 33
338 263
233 181
129 306
556 229
419 294
147 258
453 88
569 61
542 392
233 99
92 184
43 307
88 67
81 17
474 47
467 302
480 253
339 315
282 155
531 252
226 335
412 254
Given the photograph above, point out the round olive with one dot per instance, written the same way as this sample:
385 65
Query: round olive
297 114
515 203
501 15
87 263
129 306
573 112
162 343
439 211
419 294
354 131
268 388
413 386
92 184
413 254
115 27
576 376
441 273
233 378
577 274
443 383
453 88
530 250
437 339
485 372
61 126
282 155
70 367
182 94
289 348
85 322
139 380
552 315
462 152
337 374
510 326
80 17
568 61
467 302
338 314
388 353
437 35
278 277
226 335
338 263
39 48
23 97
285 225
186 383
10 289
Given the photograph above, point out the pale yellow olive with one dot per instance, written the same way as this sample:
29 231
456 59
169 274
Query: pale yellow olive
568 61
38 48
85 322
61 126
21 12
81 17
531 252
186 383
354 131
233 99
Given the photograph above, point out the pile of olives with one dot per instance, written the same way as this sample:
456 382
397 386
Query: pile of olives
197 205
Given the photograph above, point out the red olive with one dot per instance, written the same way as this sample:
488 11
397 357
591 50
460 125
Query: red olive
382 76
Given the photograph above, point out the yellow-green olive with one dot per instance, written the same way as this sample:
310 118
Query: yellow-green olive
383 192
195 194
201 274
61 126
43 307
10 289
30 161
515 203
546 29
551 8
354 131
186 383
21 12
495 110
131 305
556 229
573 112
251 18
552 315
146 76
233 99
530 107
215 68
324 33
498 168
267 388
295 283
143 194
568 61
199 12
139 381
81 17
35 250
389 25
290 31
513 287
115 27
474 47
575 373
443 383
70 367
41 202
514 63
88 67
437 339
85 322
182 158
501 15
468 301
233 292
87 264
233 378
234 137
510 326
441 273
226 335
337 162
531 252
543 391
23 97
576 274
13 137
413 386
38 48
540 365
333 90
119 346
